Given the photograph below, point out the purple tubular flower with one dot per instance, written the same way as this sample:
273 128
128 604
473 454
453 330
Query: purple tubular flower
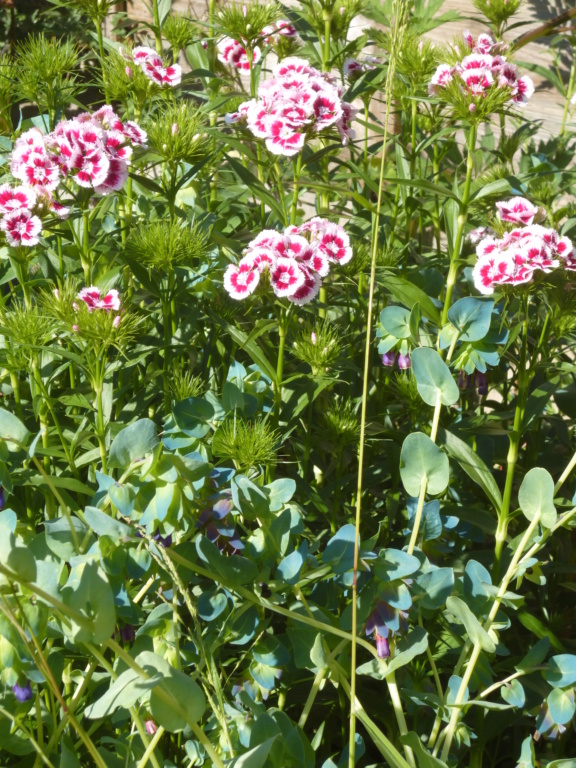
481 383
2 498
23 693
127 633
388 359
164 541
404 362
382 647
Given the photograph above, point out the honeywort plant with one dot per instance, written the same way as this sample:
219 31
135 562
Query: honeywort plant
287 442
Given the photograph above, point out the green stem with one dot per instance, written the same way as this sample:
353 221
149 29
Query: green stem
455 715
462 219
397 35
569 92
327 16
515 437
282 326
424 483
297 165
157 30
86 255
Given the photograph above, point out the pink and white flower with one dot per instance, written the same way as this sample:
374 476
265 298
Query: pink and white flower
38 171
483 70
241 280
21 228
154 69
283 139
517 210
286 276
94 299
234 53
297 102
16 198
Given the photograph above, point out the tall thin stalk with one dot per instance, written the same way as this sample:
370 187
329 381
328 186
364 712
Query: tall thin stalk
524 378
400 16
461 223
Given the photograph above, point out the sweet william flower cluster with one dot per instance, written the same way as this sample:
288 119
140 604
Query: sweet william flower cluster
298 102
482 70
234 53
295 260
151 63
515 258
92 150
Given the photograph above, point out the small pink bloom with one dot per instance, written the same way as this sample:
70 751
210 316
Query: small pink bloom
308 290
283 139
241 280
116 321
16 198
94 299
518 210
335 244
440 79
75 328
286 277
115 178
38 172
92 168
21 228
134 133
151 727
143 53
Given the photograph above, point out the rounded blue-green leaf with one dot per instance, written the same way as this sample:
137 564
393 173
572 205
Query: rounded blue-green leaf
433 377
513 694
561 705
396 322
133 442
471 317
561 670
421 459
536 497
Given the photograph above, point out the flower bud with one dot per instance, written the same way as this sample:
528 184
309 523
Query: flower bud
388 359
404 362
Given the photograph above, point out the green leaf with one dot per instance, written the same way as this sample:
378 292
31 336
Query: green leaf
396 322
471 316
105 525
513 693
88 592
18 560
339 551
193 416
474 629
433 377
535 655
527 754
233 568
408 648
256 757
256 186
395 564
13 431
133 442
409 294
561 705
561 670
423 757
436 585
59 539
472 464
536 497
422 460
123 692
281 491
177 700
